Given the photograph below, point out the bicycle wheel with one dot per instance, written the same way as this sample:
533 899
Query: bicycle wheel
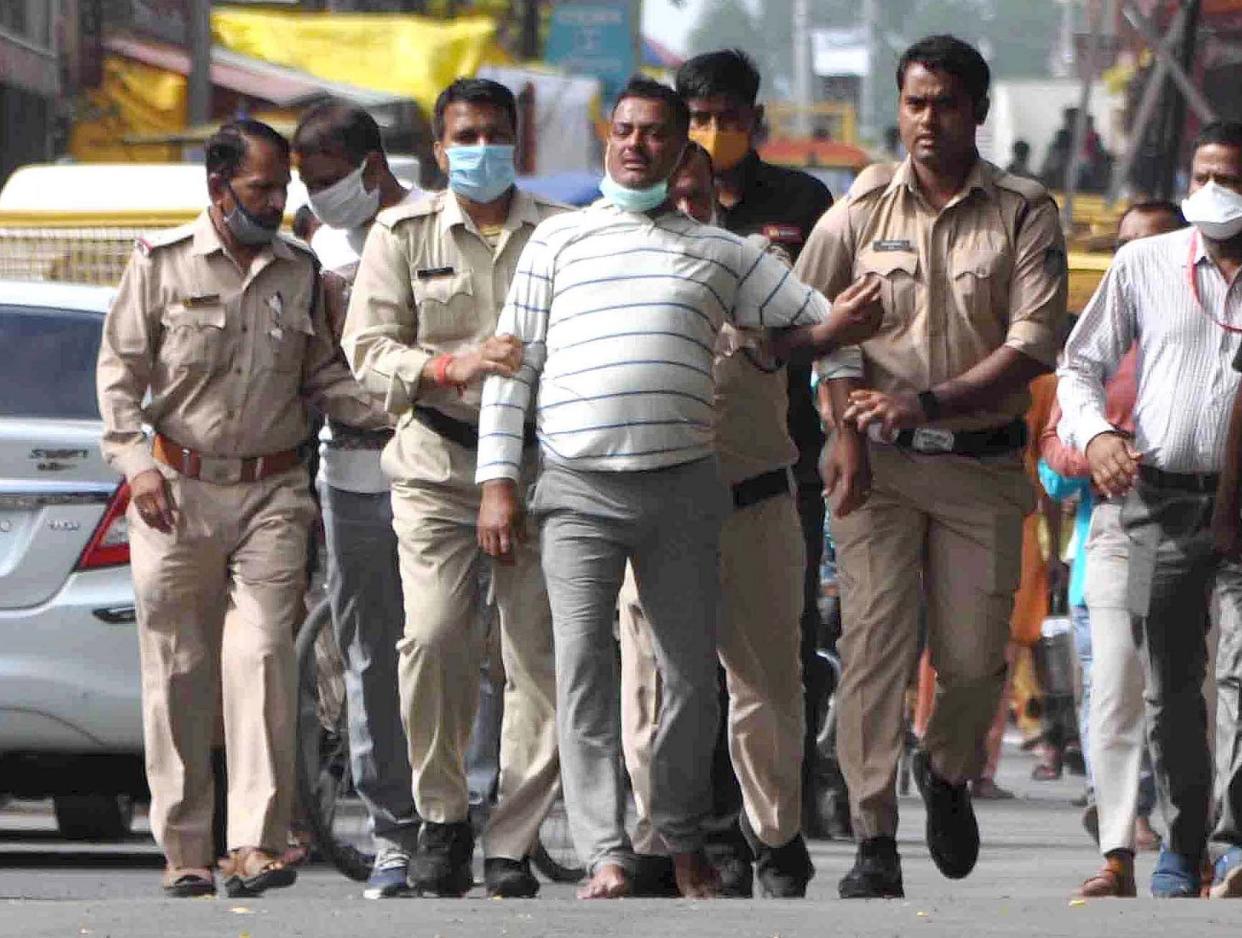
336 817
553 854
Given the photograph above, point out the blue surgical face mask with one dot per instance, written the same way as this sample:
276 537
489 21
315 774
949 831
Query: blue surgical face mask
481 172
634 200
247 227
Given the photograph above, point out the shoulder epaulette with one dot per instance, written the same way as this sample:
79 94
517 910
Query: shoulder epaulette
428 204
1032 190
155 240
876 176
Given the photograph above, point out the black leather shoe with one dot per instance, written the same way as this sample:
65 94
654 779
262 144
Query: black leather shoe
442 865
654 877
952 831
509 879
728 851
876 873
783 871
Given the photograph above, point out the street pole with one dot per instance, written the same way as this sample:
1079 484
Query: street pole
198 35
1173 155
802 67
1102 31
867 91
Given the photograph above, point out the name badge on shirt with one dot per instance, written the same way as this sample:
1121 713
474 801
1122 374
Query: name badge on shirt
791 234
892 244
199 302
429 273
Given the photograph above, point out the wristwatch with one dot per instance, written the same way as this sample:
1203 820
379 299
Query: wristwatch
930 404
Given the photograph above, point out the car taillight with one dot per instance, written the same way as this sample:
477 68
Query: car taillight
109 545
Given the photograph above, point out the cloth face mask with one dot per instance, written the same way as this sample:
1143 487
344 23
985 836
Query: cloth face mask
346 203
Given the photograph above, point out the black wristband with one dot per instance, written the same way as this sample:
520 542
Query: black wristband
930 404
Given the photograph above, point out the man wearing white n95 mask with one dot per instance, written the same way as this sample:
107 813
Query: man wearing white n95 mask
341 160
1176 296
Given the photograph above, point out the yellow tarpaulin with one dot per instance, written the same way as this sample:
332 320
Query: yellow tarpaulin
133 100
413 56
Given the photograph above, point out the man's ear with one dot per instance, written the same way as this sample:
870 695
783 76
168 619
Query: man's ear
437 148
373 166
981 112
217 189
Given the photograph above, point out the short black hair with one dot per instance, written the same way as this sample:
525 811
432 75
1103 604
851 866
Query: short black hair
1021 147
1222 133
337 126
225 150
474 91
729 72
640 86
952 56
1155 207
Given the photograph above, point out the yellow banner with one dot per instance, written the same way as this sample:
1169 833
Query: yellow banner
411 56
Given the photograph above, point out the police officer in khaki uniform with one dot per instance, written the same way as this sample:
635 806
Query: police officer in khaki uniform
420 334
925 471
221 323
762 561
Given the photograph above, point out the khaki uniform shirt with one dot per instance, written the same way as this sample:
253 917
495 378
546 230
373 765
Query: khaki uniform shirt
229 358
987 271
429 283
752 401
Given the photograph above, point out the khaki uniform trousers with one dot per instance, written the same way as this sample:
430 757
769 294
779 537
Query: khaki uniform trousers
948 528
762 560
435 512
218 602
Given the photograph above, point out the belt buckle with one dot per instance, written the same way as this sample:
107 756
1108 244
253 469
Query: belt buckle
932 441
220 470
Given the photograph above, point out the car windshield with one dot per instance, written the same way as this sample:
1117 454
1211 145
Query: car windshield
49 368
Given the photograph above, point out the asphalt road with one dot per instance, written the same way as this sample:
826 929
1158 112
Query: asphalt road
1034 855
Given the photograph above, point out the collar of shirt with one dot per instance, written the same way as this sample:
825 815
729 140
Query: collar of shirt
522 211
981 178
207 240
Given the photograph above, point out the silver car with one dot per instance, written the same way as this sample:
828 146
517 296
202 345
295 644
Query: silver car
70 719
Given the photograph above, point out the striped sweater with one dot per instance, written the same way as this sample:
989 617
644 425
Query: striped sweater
618 314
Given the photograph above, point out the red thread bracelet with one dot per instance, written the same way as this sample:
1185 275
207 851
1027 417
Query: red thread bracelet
440 371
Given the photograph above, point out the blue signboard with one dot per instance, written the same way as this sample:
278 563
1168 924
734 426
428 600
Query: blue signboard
597 38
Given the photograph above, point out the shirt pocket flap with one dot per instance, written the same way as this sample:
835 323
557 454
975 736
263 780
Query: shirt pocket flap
298 319
442 290
194 314
984 264
887 263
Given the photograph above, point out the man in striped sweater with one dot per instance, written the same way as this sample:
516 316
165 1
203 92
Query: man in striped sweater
618 308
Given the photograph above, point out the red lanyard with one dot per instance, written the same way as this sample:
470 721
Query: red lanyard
1193 281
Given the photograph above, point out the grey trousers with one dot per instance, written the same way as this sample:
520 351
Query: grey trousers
364 588
667 524
1172 576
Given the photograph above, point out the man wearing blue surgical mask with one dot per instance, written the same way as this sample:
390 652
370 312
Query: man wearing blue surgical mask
420 334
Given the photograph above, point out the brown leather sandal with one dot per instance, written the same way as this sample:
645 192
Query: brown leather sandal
251 871
1114 880
188 882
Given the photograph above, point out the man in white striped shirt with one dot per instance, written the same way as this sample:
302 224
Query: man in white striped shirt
1176 296
618 307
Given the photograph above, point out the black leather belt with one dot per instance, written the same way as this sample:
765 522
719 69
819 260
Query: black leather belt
996 441
346 437
1203 482
465 435
758 488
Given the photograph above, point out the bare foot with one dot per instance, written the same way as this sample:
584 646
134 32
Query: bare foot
609 882
696 877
